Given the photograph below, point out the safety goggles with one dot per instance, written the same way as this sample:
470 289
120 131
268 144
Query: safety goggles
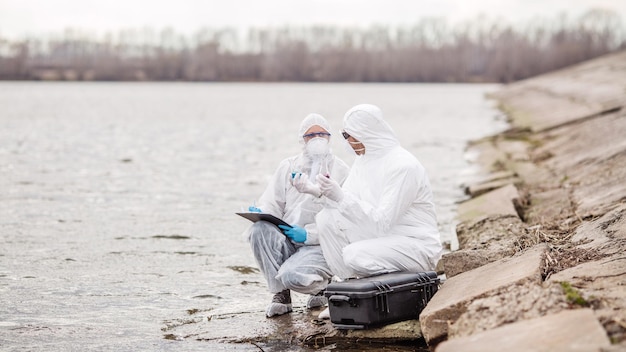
345 134
316 134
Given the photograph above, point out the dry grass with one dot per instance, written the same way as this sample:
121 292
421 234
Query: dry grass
562 253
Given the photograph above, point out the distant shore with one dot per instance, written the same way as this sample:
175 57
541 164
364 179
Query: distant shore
428 51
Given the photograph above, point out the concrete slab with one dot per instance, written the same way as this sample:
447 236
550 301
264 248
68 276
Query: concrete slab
596 139
553 204
601 187
457 292
482 188
494 234
496 154
483 179
562 97
502 175
458 262
496 202
621 347
535 108
484 242
532 174
519 302
572 330
515 148
602 280
597 169
486 153
603 233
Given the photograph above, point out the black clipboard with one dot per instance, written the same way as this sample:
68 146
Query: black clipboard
254 217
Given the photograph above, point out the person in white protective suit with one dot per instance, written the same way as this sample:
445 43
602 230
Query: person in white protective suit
383 218
293 259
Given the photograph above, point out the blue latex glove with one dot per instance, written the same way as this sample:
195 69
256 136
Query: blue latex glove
254 209
296 233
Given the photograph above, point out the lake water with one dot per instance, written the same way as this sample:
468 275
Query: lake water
117 200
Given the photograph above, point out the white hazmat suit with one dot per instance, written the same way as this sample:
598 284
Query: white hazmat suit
288 265
385 220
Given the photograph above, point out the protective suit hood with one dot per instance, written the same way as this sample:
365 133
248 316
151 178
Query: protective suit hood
365 122
312 120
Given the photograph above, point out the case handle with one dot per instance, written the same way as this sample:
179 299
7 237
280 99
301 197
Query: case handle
339 298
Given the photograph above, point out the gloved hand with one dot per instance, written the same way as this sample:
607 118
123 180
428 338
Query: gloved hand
330 188
254 209
301 182
296 233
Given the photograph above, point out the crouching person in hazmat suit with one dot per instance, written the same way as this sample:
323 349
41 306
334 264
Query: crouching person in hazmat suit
293 259
383 218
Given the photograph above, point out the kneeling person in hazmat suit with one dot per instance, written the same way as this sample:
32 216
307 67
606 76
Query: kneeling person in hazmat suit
293 260
383 218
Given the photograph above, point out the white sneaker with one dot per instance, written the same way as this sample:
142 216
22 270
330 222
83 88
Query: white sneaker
325 314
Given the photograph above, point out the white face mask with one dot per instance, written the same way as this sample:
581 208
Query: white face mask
347 145
357 150
317 146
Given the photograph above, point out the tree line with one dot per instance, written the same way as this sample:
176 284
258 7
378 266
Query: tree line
480 50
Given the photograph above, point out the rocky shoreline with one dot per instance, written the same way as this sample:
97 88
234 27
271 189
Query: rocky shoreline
541 263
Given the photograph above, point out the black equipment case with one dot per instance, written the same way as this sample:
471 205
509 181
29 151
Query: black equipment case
380 300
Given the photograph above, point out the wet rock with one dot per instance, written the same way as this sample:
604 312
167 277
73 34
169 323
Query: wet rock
398 333
299 328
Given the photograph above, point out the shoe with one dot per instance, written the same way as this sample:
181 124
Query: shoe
325 314
281 304
317 300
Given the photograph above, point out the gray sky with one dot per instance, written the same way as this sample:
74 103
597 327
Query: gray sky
20 18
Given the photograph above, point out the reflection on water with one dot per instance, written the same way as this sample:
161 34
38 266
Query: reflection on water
118 199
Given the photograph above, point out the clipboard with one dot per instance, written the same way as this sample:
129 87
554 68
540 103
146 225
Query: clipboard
254 217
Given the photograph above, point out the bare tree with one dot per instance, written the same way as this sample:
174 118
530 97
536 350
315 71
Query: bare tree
429 51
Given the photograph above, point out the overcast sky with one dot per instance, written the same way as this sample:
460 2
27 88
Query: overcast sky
19 18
